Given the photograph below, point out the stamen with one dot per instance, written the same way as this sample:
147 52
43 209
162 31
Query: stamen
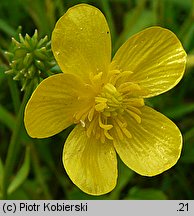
127 133
122 77
91 127
100 107
118 130
104 126
122 120
108 135
82 123
120 123
100 100
91 114
135 102
123 124
82 114
134 109
109 88
112 76
135 116
129 87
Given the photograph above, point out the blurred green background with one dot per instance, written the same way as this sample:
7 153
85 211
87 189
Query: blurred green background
36 171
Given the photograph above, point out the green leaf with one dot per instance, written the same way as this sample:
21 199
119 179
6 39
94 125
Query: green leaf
5 27
146 194
22 173
145 19
183 4
130 21
124 177
7 118
179 111
188 36
188 152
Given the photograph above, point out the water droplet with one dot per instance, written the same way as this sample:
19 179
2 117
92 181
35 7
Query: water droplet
57 53
81 28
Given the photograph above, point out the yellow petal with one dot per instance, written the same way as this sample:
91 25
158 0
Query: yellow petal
53 104
156 58
81 41
90 164
155 145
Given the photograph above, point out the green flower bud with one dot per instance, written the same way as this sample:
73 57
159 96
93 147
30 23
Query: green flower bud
30 59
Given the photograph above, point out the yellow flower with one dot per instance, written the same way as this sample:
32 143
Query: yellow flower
106 100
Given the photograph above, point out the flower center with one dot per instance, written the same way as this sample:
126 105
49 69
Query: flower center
109 102
118 98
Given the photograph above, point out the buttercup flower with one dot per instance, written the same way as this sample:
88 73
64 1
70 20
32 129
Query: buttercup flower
105 99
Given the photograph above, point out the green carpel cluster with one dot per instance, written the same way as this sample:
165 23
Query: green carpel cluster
30 59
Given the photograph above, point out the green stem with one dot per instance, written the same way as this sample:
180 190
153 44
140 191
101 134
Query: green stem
14 143
38 173
15 95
